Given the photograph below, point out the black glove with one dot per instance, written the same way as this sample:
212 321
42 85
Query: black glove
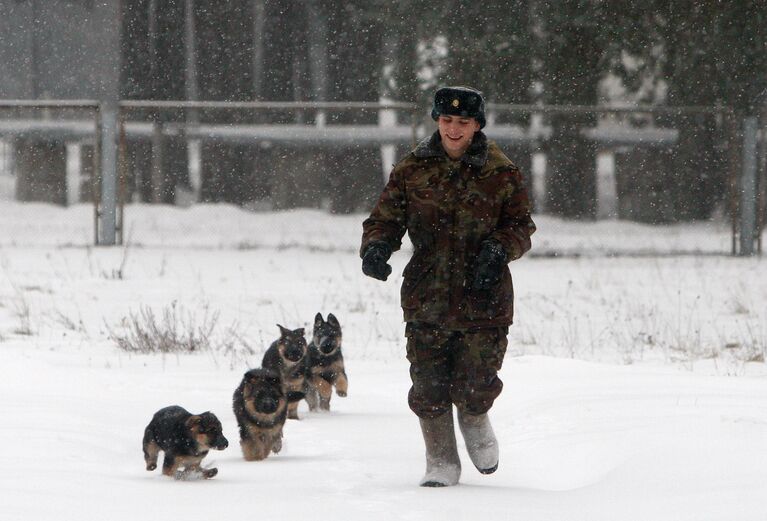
374 260
490 264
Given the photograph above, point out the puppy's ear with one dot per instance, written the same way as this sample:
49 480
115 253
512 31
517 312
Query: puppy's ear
283 330
333 321
318 320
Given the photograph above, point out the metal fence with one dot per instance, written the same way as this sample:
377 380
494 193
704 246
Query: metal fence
42 153
333 157
657 158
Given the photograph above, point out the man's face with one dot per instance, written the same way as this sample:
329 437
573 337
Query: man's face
456 133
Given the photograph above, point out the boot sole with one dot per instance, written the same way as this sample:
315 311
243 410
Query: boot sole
488 471
434 484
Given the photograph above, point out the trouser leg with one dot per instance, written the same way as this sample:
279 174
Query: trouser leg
430 371
461 368
477 358
429 398
475 386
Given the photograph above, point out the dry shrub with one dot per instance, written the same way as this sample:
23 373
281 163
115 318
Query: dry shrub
174 331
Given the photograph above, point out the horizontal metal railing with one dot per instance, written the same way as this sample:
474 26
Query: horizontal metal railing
149 126
321 134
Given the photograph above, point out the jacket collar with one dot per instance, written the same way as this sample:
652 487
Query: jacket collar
475 155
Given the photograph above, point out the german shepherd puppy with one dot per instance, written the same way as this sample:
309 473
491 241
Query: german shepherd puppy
185 438
260 407
326 363
288 356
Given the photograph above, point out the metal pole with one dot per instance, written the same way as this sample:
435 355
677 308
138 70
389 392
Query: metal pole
733 144
264 105
122 164
96 176
108 221
761 208
601 109
748 187
157 177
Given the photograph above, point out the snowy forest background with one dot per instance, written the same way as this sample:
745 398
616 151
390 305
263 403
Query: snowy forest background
684 53
705 54
701 52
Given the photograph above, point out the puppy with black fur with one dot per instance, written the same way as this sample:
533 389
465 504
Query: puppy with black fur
185 438
260 407
288 356
326 363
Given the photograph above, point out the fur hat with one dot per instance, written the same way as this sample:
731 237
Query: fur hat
459 101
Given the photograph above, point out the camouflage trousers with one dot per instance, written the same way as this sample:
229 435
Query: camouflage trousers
454 367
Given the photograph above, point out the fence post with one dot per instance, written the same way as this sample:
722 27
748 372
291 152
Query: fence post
107 215
158 165
748 187
761 207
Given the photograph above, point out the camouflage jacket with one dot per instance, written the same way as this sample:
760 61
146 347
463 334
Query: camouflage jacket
448 209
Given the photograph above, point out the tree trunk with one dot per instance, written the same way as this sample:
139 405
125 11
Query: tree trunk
645 185
571 169
225 69
698 165
41 169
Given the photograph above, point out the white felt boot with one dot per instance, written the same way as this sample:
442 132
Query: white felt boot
443 467
481 443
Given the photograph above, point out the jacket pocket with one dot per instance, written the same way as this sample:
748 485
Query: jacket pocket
488 304
414 290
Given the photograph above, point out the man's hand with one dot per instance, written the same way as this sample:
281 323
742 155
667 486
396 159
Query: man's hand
490 264
374 260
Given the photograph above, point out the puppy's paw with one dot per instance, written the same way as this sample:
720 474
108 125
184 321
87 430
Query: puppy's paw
190 474
151 466
209 473
342 394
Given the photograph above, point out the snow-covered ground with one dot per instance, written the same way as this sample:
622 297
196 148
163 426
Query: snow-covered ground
635 386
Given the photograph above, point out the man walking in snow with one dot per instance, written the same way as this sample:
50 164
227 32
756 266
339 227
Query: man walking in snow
466 210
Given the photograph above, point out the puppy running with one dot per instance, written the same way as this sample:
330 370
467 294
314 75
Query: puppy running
260 407
326 363
288 356
185 438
